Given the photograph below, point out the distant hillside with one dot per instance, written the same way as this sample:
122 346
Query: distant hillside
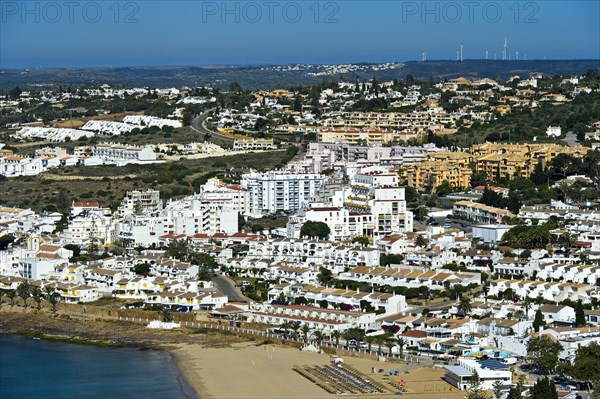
257 77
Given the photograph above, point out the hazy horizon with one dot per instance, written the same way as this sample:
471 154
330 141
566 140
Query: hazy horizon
185 33
298 63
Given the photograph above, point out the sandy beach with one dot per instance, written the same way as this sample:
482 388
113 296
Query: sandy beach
247 371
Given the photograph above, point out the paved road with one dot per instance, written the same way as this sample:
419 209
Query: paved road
199 126
227 287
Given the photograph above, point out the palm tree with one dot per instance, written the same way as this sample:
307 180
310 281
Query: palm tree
421 241
295 326
336 335
390 344
37 295
285 326
527 306
401 343
379 340
369 340
11 294
567 239
53 299
305 330
318 335
348 336
23 292
464 305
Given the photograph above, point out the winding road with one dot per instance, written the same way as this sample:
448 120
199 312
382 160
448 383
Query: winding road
198 124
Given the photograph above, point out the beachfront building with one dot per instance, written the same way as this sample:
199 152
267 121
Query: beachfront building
337 298
490 371
38 261
279 190
327 320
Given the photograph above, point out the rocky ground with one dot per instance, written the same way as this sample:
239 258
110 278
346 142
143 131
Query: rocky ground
110 332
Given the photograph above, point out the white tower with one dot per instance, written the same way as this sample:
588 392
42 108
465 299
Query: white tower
486 54
461 52
505 50
33 242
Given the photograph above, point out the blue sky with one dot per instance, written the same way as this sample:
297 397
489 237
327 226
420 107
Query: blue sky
152 32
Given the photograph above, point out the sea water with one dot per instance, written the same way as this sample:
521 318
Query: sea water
33 368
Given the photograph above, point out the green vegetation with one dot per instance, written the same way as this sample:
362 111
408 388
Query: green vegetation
538 320
543 352
586 366
523 124
544 388
108 184
522 236
315 230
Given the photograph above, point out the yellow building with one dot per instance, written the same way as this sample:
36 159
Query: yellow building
356 136
503 109
503 160
453 167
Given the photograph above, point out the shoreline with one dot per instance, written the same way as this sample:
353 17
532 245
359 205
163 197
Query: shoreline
214 365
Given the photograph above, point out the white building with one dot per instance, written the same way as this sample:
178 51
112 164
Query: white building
187 217
553 131
490 233
19 166
54 134
253 144
373 205
108 128
217 191
146 120
279 190
140 202
327 320
121 155
91 228
489 371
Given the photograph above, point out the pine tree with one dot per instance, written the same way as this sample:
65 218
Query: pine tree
475 391
544 388
579 315
538 320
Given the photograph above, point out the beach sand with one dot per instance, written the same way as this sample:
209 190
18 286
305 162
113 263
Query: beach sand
247 371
